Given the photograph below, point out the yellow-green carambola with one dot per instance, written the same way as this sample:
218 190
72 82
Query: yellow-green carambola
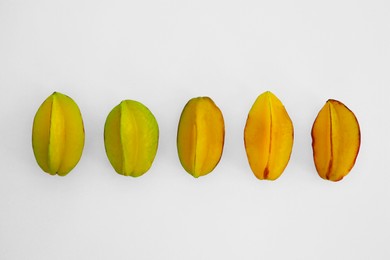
200 136
58 134
131 138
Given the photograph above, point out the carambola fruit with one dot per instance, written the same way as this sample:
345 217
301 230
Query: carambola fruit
268 137
336 140
131 138
200 136
58 134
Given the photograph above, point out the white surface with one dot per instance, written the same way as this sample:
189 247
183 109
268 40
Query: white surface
163 53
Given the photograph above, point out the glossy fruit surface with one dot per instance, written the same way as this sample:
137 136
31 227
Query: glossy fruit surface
335 140
200 136
268 137
131 138
58 134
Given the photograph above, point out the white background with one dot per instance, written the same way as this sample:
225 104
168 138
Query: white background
162 53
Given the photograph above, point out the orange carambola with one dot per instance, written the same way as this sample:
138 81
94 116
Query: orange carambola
336 140
58 134
131 138
268 137
200 136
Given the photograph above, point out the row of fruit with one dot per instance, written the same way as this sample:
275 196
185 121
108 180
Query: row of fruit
131 136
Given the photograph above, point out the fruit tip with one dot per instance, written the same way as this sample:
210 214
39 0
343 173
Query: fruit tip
331 100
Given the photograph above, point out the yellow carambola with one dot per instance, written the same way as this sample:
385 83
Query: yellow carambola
268 137
58 134
200 136
336 140
131 138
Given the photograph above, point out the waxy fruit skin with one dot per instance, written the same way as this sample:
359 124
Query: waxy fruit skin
131 136
200 136
58 134
336 140
268 137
